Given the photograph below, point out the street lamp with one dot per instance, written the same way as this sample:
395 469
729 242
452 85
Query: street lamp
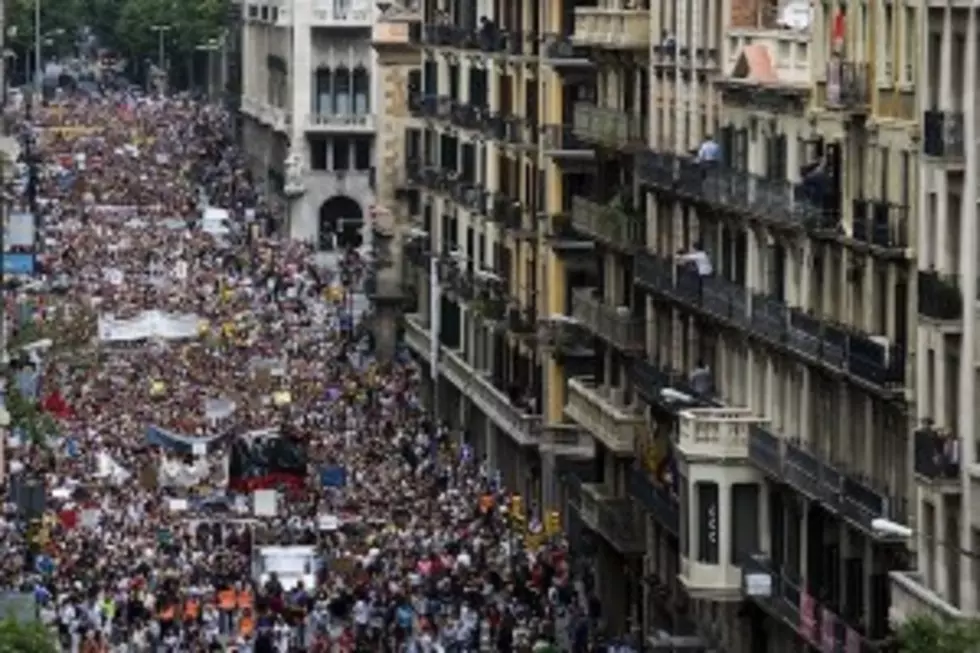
161 32
211 46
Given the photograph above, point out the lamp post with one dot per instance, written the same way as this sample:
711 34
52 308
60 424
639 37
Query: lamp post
161 32
211 47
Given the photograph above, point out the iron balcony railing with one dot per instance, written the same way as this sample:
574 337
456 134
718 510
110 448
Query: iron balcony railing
656 498
880 223
561 49
614 324
943 134
848 85
665 388
470 196
610 225
937 455
779 202
561 138
811 474
607 127
940 296
788 600
494 126
465 116
761 315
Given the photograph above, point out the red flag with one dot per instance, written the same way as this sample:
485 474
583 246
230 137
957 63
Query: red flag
56 405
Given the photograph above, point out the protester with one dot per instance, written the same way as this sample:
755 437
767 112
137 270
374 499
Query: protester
171 345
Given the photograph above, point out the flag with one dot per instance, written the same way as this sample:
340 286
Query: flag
54 404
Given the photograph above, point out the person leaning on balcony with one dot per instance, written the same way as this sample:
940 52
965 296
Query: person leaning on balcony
699 260
815 180
709 151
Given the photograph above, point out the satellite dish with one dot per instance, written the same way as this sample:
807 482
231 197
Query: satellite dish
796 14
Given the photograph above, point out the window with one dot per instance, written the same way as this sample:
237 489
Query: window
318 152
708 522
341 153
745 521
323 82
342 91
362 91
362 153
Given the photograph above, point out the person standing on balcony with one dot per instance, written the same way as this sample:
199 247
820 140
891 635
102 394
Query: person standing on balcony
709 151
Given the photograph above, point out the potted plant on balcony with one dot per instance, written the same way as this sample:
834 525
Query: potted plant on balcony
924 634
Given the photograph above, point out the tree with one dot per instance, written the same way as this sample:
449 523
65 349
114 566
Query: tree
26 637
923 634
122 26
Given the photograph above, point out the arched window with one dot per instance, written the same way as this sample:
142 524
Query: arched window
323 84
362 91
342 91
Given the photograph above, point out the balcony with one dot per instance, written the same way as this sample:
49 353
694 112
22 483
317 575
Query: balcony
465 116
782 595
524 428
390 35
613 226
610 516
329 15
470 196
880 224
619 29
937 456
664 56
847 87
520 132
868 360
565 338
560 52
443 35
434 107
656 498
715 433
943 135
781 204
607 127
940 297
569 440
560 142
911 597
522 322
432 178
351 123
601 411
567 241
809 473
613 324
665 389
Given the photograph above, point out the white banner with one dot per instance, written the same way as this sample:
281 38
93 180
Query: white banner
149 324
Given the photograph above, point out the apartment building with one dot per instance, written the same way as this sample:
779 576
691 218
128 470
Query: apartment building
779 280
309 100
475 154
395 38
946 580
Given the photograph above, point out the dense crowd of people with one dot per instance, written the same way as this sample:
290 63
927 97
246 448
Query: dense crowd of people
148 339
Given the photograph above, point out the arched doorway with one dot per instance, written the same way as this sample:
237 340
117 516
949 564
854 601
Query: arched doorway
341 220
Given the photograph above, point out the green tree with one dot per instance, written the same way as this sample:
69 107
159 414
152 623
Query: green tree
922 634
26 637
123 26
